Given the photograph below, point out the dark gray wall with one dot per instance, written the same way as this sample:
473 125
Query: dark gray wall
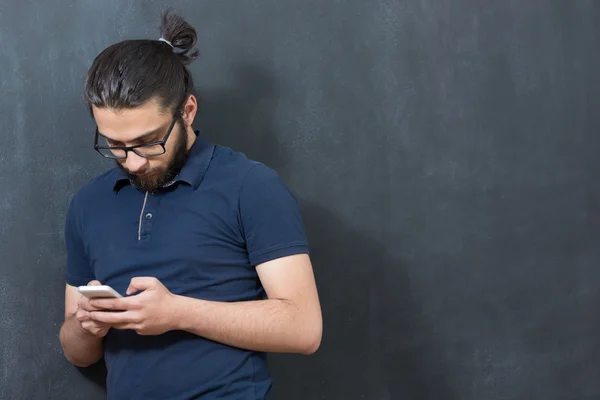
445 155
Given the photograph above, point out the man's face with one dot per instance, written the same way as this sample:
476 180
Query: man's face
144 124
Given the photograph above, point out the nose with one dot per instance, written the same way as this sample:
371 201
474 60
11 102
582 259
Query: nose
134 162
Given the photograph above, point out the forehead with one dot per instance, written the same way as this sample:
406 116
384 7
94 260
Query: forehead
128 124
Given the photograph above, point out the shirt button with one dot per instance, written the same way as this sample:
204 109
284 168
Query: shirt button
148 216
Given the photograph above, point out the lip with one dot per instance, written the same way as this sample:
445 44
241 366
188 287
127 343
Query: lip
149 174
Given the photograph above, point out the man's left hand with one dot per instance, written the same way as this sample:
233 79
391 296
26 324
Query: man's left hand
151 312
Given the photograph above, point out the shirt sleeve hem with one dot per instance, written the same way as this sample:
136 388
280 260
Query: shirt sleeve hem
73 281
278 252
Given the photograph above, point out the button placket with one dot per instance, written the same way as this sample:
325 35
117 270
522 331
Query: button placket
148 216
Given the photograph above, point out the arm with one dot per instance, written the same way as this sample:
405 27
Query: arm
80 337
288 321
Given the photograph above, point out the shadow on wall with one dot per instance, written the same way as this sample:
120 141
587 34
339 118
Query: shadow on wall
376 342
241 117
95 373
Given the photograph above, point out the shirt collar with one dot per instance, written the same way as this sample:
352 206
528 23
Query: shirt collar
193 170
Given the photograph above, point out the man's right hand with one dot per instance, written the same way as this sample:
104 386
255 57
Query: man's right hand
98 329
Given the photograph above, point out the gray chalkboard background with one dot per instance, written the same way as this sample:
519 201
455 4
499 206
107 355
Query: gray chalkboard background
447 159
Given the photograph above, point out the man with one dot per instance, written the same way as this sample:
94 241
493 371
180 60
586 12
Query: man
206 246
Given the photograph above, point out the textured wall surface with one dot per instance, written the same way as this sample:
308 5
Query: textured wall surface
445 155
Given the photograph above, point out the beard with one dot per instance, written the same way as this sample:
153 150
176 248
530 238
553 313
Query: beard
161 176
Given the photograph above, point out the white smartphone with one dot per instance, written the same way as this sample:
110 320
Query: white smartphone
94 292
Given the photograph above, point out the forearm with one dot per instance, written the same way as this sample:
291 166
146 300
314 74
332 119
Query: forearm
80 347
272 325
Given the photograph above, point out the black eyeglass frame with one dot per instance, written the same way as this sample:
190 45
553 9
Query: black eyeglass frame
126 149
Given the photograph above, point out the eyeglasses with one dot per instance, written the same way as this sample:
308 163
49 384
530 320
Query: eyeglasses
151 149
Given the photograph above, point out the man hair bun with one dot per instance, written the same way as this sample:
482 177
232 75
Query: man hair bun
181 35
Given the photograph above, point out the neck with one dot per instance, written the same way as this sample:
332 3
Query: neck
191 136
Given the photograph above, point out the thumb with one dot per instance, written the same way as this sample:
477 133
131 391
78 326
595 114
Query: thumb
141 283
94 283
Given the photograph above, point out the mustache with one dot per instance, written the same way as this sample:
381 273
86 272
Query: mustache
139 174
128 172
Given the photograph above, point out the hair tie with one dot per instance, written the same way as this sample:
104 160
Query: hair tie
162 39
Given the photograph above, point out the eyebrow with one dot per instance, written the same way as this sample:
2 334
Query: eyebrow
137 138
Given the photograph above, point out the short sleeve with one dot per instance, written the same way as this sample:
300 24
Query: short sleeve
79 271
270 216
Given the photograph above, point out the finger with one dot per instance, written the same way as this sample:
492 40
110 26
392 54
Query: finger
82 315
114 318
84 304
120 304
94 283
124 326
87 325
142 283
90 326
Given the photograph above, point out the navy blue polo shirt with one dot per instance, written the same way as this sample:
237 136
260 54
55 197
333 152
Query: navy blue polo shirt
202 237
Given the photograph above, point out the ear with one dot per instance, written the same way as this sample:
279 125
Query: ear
189 110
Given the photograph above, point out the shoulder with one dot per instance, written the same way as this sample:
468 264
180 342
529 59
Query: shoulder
251 182
238 169
92 190
259 176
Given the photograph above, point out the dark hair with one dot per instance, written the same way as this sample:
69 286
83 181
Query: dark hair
129 73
